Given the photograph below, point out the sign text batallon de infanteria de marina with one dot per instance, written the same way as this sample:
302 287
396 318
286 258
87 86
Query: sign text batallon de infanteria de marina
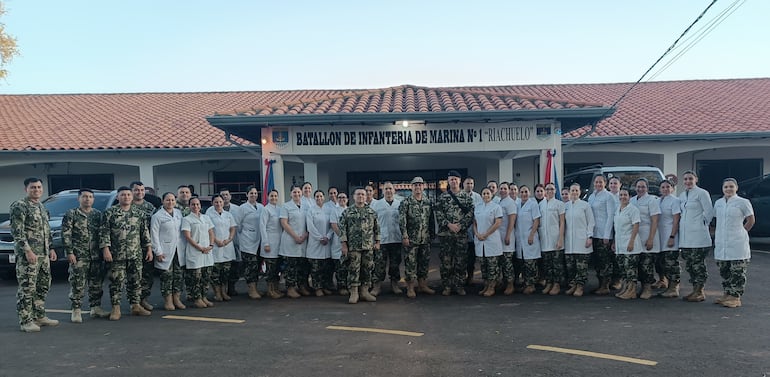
399 137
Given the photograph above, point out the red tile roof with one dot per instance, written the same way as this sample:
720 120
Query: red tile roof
177 120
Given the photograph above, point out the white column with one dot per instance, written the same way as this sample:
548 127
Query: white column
310 170
505 170
670 163
147 174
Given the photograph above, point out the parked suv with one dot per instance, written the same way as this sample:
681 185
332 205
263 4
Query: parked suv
627 174
757 190
57 205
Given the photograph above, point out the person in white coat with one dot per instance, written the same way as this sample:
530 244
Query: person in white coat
165 232
225 229
668 234
735 218
390 242
318 244
649 214
339 261
270 234
294 244
250 238
627 244
527 239
603 205
198 230
487 218
551 233
694 236
508 237
578 240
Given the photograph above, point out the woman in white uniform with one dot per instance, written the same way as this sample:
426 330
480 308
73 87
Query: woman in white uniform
649 214
318 243
487 218
578 240
270 234
165 232
508 237
694 236
339 261
627 244
224 250
250 238
294 243
668 235
551 231
735 217
527 240
198 230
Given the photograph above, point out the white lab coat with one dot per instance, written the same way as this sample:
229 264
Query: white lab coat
603 205
387 217
222 224
270 231
578 227
527 212
697 213
509 207
669 206
199 232
318 226
249 236
165 232
550 211
648 205
624 224
485 215
334 218
297 222
731 240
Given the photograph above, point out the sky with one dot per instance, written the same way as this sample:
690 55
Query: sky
107 46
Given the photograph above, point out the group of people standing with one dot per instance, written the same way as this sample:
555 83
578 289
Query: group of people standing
320 246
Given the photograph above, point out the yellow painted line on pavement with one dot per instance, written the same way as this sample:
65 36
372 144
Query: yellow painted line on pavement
380 331
593 354
58 311
203 319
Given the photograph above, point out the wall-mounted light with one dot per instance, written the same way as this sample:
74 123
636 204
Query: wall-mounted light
264 141
406 123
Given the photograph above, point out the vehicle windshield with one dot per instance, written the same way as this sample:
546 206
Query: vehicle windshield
58 205
629 178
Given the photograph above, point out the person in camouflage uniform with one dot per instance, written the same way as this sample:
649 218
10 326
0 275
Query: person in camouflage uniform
125 241
415 219
80 237
148 268
454 212
34 254
360 236
183 195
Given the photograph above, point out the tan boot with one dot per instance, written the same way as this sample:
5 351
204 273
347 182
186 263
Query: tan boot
721 299
225 296
253 292
578 291
272 291
604 289
77 316
447 291
530 289
363 291
98 312
623 290
630 292
303 290
571 289
319 292
491 290
344 292
422 287
485 289
292 292
353 295
207 302
200 304
646 292
217 293
410 290
146 305
731 302
30 327
547 289
555 289
45 321
509 289
138 309
115 313
662 283
395 288
671 291
177 300
616 284
376 289
698 294
168 303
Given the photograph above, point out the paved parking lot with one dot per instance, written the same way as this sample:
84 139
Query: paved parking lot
443 336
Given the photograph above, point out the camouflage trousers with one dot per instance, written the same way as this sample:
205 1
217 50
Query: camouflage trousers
84 274
529 267
507 263
390 255
577 268
294 272
453 256
125 273
171 279
148 278
34 282
341 267
695 264
470 262
272 266
320 273
490 269
647 267
251 266
670 262
553 266
629 266
604 260
220 274
733 274
416 261
360 268
200 279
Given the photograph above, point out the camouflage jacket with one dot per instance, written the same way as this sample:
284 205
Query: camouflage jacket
148 210
447 212
359 228
185 209
30 228
415 219
125 233
80 233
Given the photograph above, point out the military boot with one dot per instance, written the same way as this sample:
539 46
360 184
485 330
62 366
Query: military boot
671 291
217 293
547 288
376 289
253 291
731 302
662 283
292 292
207 302
571 289
304 290
344 292
394 287
410 290
319 292
555 289
137 309
528 290
29 327
485 289
200 304
98 312
721 299
146 305
698 294
578 290
176 299
272 290
77 316
491 289
630 292
168 303
615 284
225 296
115 313
353 296
363 291
623 290
45 321
509 289
646 292
604 288
422 287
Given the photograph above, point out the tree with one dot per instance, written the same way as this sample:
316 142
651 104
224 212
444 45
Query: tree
7 46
